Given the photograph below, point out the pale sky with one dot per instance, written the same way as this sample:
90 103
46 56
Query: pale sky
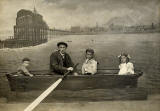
66 13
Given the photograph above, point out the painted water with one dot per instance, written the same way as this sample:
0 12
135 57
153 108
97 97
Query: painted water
143 48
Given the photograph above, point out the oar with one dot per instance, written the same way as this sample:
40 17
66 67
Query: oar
46 92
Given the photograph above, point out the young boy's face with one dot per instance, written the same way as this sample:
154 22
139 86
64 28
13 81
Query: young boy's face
26 63
123 59
62 48
89 55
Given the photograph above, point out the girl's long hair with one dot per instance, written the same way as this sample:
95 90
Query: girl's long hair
127 58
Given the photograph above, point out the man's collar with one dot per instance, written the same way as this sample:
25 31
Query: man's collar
62 53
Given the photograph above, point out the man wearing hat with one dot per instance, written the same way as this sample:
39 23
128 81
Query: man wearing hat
60 61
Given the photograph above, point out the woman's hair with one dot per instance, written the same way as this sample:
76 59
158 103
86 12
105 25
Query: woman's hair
126 55
25 59
90 50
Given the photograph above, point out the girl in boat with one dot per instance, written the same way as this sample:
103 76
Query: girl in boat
126 67
90 64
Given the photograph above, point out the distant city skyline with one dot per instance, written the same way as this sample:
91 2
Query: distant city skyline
63 14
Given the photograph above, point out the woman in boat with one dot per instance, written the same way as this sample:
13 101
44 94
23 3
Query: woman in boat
22 69
90 64
125 66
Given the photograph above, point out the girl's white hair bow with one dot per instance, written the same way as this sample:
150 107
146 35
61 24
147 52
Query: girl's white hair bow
123 54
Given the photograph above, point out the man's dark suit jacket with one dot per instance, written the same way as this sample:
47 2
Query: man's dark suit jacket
58 64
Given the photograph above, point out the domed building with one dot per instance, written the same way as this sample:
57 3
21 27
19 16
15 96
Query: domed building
30 30
30 26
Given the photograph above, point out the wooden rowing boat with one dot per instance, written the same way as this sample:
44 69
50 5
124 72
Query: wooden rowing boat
104 79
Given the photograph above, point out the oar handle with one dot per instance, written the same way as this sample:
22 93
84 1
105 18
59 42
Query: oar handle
69 71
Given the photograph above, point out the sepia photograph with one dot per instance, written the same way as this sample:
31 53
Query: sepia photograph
79 55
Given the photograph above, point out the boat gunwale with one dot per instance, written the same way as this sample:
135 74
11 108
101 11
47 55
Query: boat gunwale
98 74
83 76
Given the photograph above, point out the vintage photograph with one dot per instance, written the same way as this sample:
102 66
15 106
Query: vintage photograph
79 55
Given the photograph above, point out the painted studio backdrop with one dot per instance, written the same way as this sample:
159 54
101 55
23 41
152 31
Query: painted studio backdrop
32 28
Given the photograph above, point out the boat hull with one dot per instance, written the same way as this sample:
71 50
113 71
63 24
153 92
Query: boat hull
73 83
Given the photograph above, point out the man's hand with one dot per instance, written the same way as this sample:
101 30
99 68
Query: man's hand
70 69
75 74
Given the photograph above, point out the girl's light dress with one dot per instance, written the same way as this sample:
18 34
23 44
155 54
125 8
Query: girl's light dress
126 68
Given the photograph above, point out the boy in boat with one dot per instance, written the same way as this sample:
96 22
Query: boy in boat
125 66
90 64
22 70
60 61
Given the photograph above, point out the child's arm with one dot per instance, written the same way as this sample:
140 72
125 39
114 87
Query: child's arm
83 69
130 68
26 72
94 68
119 66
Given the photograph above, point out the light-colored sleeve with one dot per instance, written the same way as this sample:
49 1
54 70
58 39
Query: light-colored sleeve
130 68
94 68
119 66
25 70
83 69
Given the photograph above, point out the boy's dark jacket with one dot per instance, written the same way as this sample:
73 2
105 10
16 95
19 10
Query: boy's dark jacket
57 65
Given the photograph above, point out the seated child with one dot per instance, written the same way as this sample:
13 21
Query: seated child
90 65
22 70
125 66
